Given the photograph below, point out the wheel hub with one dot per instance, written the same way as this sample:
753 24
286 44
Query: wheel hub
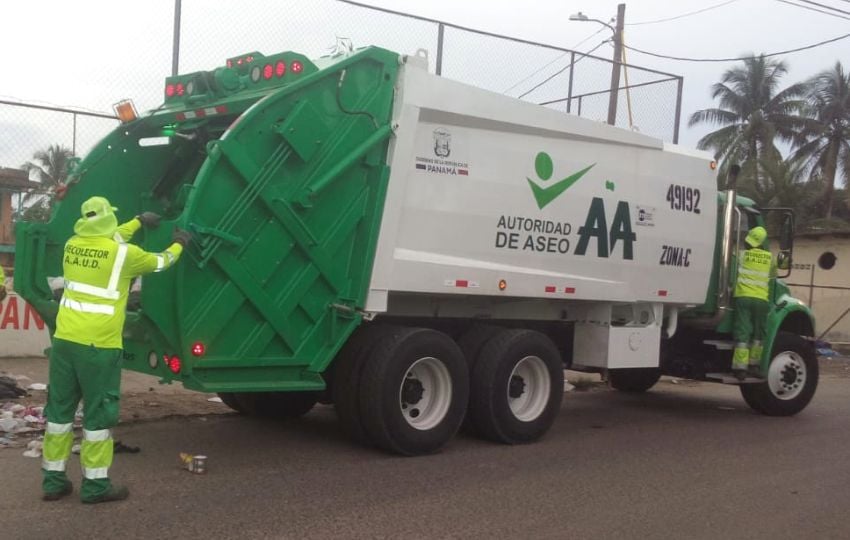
516 388
412 391
787 375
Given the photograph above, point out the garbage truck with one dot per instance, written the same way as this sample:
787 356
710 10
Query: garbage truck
418 252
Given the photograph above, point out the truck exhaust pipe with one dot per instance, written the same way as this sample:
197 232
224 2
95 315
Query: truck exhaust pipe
725 270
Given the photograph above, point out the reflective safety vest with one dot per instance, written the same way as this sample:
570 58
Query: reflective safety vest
98 271
754 267
2 277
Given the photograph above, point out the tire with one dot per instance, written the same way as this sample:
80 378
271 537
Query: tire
517 387
229 399
414 391
791 381
473 340
347 371
635 380
276 404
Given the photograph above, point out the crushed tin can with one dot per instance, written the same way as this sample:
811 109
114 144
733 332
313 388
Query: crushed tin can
194 463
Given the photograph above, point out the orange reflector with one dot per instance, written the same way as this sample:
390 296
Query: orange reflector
713 165
503 284
125 111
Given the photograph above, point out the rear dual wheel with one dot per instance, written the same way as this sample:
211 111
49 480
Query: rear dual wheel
517 387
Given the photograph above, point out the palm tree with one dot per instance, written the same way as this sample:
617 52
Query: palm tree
786 186
49 167
825 140
752 114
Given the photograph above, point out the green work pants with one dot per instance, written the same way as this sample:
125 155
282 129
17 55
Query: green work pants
749 331
93 375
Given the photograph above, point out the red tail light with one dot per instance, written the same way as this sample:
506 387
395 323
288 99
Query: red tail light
180 89
268 71
173 363
280 69
198 349
169 90
296 66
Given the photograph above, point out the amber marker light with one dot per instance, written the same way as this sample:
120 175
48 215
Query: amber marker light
712 165
503 284
125 111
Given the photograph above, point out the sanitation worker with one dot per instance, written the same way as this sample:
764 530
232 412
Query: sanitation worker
751 305
85 360
2 284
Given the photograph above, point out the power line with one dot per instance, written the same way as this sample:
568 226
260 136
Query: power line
798 49
825 6
541 68
683 15
814 9
568 66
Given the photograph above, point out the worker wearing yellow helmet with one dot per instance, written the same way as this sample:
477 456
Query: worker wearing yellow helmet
751 303
86 354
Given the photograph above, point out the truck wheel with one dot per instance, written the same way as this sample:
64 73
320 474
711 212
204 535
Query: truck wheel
229 399
414 390
348 368
792 378
517 387
289 404
633 379
473 340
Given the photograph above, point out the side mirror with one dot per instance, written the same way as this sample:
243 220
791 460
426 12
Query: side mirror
786 235
783 260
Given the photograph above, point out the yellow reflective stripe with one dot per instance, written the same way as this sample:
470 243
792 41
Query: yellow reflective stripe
96 435
87 307
85 288
96 473
116 268
57 444
54 465
58 429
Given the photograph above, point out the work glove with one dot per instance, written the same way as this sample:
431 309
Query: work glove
179 236
149 220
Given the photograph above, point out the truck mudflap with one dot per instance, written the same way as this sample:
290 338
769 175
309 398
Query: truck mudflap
284 195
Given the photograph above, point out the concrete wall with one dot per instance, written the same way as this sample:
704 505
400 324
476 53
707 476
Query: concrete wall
22 332
810 276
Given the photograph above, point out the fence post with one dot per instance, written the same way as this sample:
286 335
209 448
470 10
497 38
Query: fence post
441 30
74 135
579 105
678 118
570 88
175 52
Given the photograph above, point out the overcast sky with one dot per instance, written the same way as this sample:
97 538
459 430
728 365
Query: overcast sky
91 54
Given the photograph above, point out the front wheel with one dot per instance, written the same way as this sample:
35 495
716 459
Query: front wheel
792 378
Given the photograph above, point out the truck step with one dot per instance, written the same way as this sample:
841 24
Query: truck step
719 344
729 378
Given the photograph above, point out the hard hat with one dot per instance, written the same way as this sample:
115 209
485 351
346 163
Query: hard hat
756 237
98 218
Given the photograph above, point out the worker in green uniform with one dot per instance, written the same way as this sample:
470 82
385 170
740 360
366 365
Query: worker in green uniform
85 359
751 305
2 284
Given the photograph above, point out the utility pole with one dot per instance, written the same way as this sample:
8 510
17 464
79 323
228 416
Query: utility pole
175 52
616 66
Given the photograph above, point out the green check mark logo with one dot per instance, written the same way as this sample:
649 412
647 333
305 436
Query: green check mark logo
544 168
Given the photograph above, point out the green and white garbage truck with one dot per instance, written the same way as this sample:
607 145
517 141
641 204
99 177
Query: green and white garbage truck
417 251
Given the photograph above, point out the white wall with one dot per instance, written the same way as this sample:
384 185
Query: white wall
22 332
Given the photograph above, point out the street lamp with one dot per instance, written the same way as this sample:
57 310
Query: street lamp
618 55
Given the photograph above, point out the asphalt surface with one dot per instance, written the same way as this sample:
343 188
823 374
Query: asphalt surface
683 461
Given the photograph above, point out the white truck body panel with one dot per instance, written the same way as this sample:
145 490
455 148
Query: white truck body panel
472 200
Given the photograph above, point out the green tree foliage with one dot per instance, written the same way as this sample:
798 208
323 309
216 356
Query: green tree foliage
49 167
824 142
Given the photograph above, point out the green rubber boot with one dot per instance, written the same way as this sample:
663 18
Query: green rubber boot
115 493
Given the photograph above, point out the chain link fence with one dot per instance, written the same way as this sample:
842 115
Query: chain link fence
570 81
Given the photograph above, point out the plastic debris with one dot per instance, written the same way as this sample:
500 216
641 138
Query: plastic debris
37 386
215 399
9 388
33 449
16 418
76 449
121 448
568 387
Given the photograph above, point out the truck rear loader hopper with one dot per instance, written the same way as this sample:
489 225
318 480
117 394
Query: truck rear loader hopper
412 249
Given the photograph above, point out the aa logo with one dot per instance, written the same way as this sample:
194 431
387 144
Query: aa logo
544 168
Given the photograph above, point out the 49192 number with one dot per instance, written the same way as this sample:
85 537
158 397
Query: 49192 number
683 198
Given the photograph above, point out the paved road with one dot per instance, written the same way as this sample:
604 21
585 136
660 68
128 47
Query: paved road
684 461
